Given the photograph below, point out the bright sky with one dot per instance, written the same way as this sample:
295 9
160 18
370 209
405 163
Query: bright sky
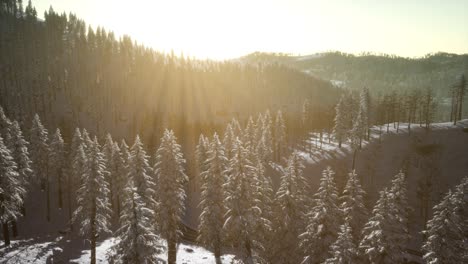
220 29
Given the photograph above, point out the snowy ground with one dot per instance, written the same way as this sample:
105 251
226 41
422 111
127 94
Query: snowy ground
59 250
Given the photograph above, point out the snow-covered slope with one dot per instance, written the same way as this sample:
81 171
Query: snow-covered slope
439 154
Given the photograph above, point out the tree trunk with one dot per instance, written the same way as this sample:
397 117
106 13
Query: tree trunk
6 234
217 253
172 251
48 197
60 196
69 202
248 248
93 234
14 228
460 106
354 159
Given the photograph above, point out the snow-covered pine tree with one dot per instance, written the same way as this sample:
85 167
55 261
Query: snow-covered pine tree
400 209
212 199
93 210
139 171
20 153
258 128
228 141
379 242
289 208
263 151
73 176
365 96
305 116
39 139
11 190
266 129
236 128
279 136
78 167
125 152
201 153
119 170
86 139
340 128
137 241
5 124
108 152
360 123
248 136
446 235
57 163
171 179
460 197
243 214
264 197
343 250
323 221
352 205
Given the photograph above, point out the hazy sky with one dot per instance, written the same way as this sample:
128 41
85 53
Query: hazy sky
221 29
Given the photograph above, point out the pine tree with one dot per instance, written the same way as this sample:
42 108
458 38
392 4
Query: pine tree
264 198
212 195
242 214
289 208
344 250
360 123
460 198
20 153
75 171
11 190
380 242
93 210
305 117
171 179
119 170
139 171
446 233
201 153
228 142
266 128
108 152
258 128
352 205
323 221
365 96
340 129
400 209
236 128
263 151
39 156
57 163
248 137
5 124
137 241
279 136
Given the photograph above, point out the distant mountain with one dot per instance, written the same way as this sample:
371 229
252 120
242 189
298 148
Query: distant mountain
380 73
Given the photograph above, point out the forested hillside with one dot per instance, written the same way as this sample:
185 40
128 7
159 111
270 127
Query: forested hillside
381 73
74 75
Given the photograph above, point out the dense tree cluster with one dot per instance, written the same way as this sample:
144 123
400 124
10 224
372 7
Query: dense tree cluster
74 75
